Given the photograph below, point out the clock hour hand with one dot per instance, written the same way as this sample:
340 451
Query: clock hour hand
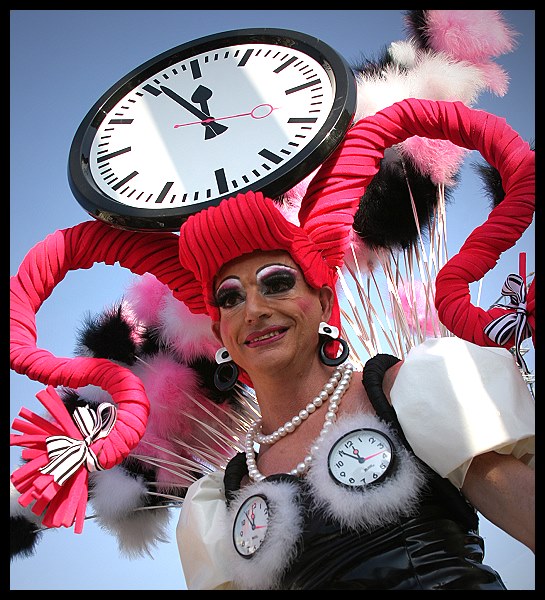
355 455
252 521
215 128
201 96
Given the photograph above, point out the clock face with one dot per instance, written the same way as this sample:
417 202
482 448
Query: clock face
250 526
249 109
361 458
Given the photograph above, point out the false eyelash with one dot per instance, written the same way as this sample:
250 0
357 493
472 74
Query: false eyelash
278 278
223 295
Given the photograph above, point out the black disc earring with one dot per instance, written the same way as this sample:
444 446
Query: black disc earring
331 334
226 375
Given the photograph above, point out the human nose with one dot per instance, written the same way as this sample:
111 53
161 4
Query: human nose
256 306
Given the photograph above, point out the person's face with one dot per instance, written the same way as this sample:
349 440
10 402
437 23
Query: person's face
269 315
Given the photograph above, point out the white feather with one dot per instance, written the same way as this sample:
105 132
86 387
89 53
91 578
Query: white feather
116 498
188 334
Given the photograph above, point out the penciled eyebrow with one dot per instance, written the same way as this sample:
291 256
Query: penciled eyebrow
278 265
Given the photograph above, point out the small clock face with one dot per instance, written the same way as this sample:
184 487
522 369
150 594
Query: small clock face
210 119
250 526
361 458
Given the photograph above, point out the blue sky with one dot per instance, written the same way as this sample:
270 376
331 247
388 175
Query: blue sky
61 63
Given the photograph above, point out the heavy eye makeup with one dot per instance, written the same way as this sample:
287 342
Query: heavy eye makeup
276 279
229 293
271 280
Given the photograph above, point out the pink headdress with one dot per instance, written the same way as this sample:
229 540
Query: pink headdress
325 217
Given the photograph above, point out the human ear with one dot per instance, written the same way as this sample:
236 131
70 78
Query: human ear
327 297
216 331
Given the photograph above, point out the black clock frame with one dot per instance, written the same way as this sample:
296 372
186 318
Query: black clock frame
104 208
388 472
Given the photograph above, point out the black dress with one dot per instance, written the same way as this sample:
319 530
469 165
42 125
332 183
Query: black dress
438 547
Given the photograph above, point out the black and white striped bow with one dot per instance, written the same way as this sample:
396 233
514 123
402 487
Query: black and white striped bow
501 329
67 454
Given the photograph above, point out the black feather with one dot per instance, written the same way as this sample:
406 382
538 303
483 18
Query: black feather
417 27
205 369
151 342
373 67
107 335
491 180
385 217
24 536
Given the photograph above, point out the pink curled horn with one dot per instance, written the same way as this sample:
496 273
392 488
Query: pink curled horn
497 326
341 181
41 270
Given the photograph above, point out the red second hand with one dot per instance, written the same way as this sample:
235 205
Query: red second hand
247 114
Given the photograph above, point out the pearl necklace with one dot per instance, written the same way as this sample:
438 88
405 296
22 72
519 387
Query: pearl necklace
334 389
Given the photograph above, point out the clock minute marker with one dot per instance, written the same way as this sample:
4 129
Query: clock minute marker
303 86
302 120
245 57
221 181
113 154
124 180
270 156
164 192
195 69
285 64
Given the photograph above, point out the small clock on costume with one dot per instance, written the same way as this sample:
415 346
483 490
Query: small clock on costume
255 109
250 526
361 458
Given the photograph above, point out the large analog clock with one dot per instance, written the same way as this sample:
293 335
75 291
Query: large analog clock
247 109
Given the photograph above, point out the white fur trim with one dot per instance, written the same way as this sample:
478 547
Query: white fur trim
265 568
375 506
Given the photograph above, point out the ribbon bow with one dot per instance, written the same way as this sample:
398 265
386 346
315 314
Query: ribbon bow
500 330
67 454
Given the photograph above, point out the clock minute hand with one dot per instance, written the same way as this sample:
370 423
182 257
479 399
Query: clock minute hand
252 521
184 103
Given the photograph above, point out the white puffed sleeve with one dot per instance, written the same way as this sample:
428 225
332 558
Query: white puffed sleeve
201 545
456 400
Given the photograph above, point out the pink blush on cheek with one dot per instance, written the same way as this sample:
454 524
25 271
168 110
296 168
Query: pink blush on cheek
305 304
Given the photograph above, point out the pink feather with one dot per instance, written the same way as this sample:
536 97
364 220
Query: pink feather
145 296
495 77
438 159
177 409
419 310
472 35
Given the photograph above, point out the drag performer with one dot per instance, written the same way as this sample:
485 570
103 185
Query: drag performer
342 478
